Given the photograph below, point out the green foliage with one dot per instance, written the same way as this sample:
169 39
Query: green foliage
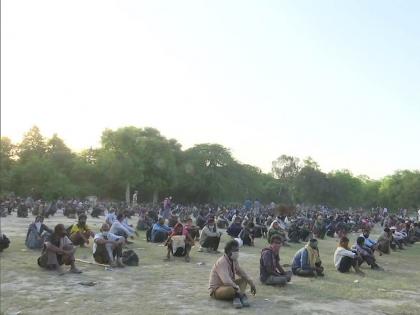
144 160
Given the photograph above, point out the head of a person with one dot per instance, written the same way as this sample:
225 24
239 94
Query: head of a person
161 221
313 243
276 243
210 223
39 219
238 220
387 230
59 230
178 229
120 216
366 233
250 225
360 241
276 225
232 249
82 219
344 242
189 222
393 229
104 228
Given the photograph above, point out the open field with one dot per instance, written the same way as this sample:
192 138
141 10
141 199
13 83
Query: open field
176 287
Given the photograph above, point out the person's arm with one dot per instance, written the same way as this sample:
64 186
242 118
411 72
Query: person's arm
223 273
53 248
46 228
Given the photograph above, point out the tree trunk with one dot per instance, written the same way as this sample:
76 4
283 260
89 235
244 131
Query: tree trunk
155 196
127 193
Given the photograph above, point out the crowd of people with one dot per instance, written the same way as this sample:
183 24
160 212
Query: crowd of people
179 227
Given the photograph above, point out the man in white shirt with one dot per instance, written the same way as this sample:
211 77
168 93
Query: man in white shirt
107 247
344 258
119 229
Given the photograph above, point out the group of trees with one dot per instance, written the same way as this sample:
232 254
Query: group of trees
133 158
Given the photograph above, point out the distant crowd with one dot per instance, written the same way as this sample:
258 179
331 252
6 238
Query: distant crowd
179 227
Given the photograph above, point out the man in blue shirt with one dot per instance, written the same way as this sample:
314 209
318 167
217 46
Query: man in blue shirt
160 231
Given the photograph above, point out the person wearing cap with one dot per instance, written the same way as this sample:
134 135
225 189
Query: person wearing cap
80 232
306 262
344 258
271 272
223 285
397 238
210 237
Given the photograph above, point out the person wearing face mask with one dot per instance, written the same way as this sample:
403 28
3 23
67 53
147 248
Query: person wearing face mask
271 273
210 237
306 262
58 250
107 247
80 232
222 282
37 234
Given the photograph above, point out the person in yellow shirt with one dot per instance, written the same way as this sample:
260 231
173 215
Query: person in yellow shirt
80 232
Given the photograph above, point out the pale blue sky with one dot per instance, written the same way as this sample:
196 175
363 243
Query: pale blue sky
336 80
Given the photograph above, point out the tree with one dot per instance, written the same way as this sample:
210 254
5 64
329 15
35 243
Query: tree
33 144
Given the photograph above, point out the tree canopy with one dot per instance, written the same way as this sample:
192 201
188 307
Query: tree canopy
142 159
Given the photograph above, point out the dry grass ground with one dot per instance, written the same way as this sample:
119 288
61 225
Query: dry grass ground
176 287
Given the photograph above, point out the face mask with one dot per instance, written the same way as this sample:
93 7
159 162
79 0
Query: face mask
211 227
105 233
38 225
234 256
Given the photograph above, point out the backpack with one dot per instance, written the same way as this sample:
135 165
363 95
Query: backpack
130 258
4 243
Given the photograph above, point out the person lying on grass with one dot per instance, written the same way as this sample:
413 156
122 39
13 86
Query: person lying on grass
271 273
222 282
58 250
179 243
80 232
107 247
306 262
344 258
366 254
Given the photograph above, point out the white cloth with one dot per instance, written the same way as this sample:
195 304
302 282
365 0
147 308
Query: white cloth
340 252
100 236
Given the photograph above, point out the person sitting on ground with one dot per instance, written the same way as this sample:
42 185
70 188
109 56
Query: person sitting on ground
37 234
372 244
271 272
384 241
120 229
4 241
22 211
247 234
179 243
107 247
160 231
58 250
192 229
306 262
210 237
235 228
398 239
222 282
344 258
276 230
80 232
366 253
